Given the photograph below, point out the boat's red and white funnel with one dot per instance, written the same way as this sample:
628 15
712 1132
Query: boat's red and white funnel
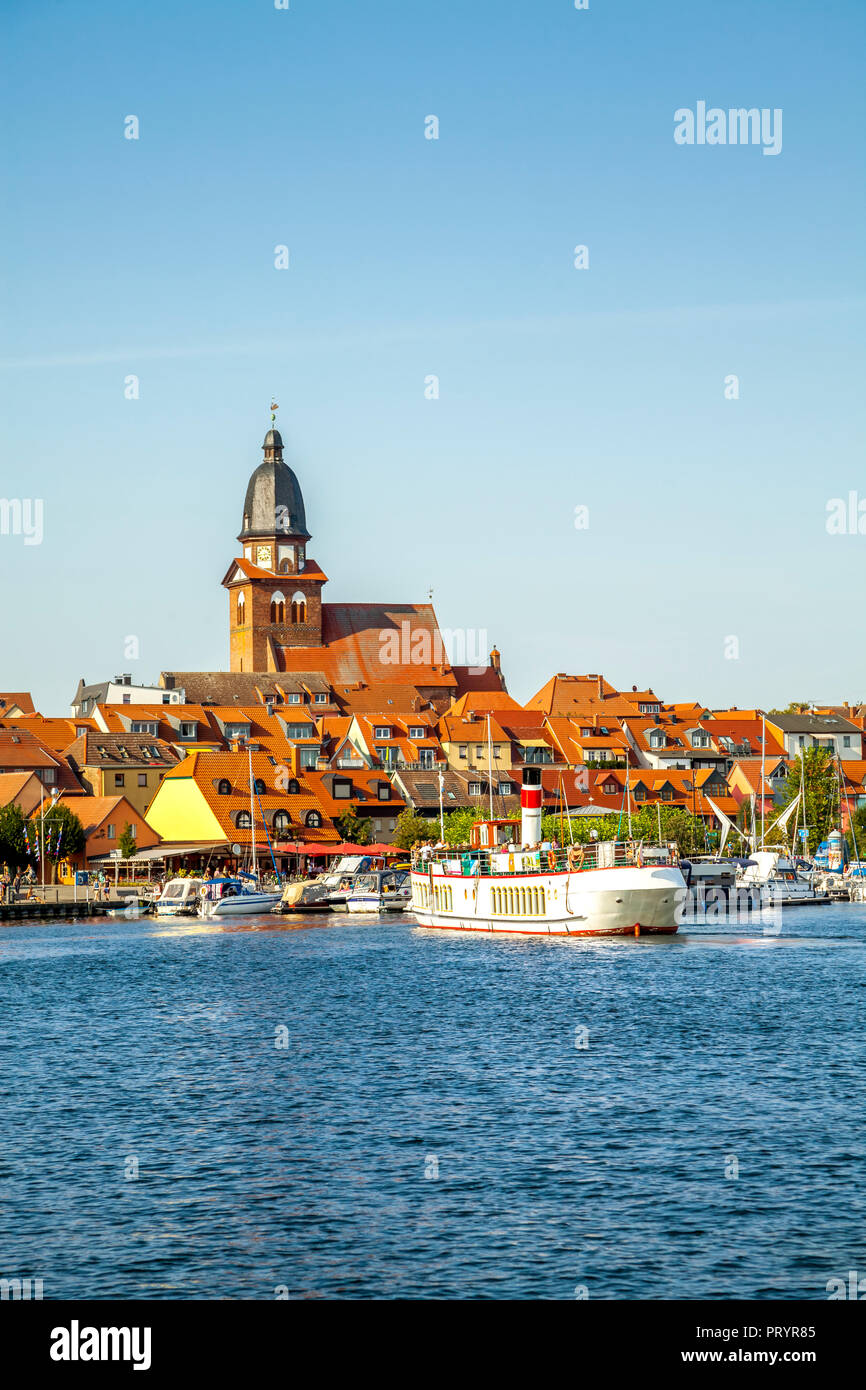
530 806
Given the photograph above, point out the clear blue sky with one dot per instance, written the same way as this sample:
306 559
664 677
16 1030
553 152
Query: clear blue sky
602 387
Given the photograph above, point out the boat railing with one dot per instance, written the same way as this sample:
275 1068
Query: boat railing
460 861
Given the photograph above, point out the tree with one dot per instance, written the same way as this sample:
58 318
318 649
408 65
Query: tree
12 847
411 827
126 844
357 830
63 836
815 769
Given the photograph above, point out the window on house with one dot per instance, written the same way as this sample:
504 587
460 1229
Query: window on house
298 730
278 607
846 741
505 789
384 791
382 731
313 819
188 729
282 822
293 788
259 786
224 787
474 788
462 750
426 757
243 821
342 789
118 779
166 699
49 775
110 832
293 697
127 699
142 779
307 757
417 731
321 697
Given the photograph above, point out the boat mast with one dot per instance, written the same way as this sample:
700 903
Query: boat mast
252 813
763 757
627 796
489 765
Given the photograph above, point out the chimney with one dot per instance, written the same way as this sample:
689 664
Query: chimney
495 659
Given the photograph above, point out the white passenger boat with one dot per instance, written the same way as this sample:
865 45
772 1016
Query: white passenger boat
179 898
235 897
385 891
506 881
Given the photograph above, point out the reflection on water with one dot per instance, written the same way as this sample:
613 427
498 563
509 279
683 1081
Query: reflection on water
362 1108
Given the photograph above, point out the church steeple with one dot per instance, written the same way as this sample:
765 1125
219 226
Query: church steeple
274 590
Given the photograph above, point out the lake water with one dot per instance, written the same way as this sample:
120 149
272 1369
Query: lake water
333 1107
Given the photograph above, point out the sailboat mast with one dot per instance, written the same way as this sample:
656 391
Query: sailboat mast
763 759
489 765
252 813
627 797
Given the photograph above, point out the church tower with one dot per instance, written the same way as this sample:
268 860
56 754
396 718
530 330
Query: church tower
275 591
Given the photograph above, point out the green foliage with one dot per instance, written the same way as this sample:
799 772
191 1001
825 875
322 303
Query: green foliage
856 834
12 849
817 769
126 844
410 828
357 830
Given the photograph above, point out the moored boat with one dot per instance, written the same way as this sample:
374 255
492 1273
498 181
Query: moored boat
384 890
507 880
179 898
235 897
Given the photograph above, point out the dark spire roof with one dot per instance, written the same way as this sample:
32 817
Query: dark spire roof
272 488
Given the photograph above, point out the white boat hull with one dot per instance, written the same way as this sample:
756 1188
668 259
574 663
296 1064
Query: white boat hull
593 902
244 905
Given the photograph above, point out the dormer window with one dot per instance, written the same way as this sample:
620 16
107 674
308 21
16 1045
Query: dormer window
243 820
321 697
657 740
417 731
382 731
224 787
313 819
342 789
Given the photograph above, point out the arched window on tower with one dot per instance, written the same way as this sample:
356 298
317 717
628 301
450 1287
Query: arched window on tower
278 607
239 614
299 607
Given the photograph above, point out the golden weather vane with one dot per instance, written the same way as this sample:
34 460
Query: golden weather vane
274 409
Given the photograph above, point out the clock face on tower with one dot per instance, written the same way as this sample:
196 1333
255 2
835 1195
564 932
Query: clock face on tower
263 555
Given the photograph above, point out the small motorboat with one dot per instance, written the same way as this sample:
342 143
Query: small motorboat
328 892
778 880
384 890
235 897
179 898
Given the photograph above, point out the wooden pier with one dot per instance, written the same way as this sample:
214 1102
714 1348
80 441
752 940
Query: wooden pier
30 911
